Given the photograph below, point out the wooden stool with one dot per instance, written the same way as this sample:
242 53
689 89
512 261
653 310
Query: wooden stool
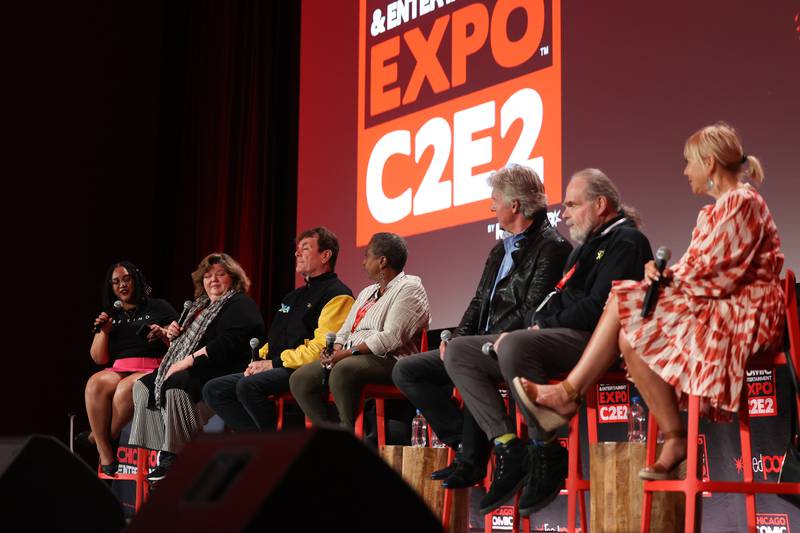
415 465
616 495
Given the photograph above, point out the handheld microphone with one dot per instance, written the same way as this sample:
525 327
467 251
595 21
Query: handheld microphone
662 256
488 349
446 335
117 307
330 340
186 306
254 342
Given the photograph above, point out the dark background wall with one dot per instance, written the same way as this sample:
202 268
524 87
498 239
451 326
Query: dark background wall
154 132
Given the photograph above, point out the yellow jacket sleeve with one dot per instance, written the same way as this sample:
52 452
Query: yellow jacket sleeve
331 318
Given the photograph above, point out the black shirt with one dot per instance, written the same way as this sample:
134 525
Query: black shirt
122 339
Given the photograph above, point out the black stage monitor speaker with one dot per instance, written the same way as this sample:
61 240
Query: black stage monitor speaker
44 487
317 480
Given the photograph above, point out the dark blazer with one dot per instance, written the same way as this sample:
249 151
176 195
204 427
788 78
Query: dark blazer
538 265
227 338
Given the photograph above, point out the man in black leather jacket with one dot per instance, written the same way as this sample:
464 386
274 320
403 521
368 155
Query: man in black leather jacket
519 273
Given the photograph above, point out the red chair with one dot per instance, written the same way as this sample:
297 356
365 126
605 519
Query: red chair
280 404
380 393
140 477
692 486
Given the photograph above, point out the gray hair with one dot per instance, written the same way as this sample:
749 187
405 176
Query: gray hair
599 185
391 246
517 182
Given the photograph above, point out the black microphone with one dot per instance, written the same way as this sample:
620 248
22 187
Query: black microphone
488 349
330 340
186 306
254 343
662 256
97 327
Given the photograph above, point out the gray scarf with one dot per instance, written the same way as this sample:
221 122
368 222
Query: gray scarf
186 344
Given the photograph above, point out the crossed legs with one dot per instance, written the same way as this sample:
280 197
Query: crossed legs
604 347
109 407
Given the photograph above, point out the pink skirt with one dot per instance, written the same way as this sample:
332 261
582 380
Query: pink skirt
136 364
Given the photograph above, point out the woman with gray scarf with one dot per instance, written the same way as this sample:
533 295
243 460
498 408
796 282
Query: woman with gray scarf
212 340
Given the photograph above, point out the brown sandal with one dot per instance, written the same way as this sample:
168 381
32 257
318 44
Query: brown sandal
547 418
657 471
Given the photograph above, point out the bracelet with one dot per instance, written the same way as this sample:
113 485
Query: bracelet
192 357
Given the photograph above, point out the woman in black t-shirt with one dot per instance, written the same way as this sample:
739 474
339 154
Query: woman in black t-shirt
131 339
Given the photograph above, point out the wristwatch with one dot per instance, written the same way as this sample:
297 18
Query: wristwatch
354 351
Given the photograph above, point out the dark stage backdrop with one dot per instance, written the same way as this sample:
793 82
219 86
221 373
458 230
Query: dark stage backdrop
402 114
156 132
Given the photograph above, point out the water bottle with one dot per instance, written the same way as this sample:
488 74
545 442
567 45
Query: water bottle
637 421
419 431
436 442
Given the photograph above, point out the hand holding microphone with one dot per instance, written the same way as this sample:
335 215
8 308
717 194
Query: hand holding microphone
175 329
446 335
104 318
330 340
254 345
656 278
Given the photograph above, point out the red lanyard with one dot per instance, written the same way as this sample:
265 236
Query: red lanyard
565 278
363 311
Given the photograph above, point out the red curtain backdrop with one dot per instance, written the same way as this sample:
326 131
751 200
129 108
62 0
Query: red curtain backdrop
167 131
236 149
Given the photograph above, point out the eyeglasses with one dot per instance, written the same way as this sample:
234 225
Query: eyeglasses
124 279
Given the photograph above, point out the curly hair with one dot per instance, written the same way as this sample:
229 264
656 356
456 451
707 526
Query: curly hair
241 283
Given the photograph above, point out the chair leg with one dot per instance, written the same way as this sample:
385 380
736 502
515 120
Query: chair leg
690 485
280 406
359 429
747 459
649 458
447 504
380 422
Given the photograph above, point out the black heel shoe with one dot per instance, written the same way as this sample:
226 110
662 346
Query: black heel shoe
110 469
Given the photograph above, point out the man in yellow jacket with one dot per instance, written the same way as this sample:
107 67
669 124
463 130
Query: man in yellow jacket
296 337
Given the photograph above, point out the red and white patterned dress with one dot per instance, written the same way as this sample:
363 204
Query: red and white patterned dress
725 304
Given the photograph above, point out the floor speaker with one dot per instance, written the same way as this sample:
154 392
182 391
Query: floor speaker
294 480
43 486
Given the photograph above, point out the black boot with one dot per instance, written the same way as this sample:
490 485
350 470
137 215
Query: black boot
550 470
512 467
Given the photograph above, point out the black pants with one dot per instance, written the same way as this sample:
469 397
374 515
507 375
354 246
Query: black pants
424 381
242 401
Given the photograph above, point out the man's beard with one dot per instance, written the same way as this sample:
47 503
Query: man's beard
580 234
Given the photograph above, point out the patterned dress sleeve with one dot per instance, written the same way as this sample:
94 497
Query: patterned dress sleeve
724 243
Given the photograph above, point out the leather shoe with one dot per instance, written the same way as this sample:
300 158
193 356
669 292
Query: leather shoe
445 472
465 475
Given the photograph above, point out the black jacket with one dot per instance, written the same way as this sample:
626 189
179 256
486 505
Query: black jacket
538 264
612 252
298 316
